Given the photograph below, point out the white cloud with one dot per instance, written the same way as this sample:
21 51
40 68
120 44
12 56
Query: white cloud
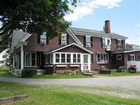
86 8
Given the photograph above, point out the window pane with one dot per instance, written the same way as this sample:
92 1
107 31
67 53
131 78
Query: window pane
88 41
85 58
74 58
43 38
33 59
57 58
68 58
64 39
78 58
63 58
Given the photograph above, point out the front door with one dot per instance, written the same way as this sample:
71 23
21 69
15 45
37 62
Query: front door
86 62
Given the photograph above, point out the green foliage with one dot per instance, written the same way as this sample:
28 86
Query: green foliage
28 73
59 96
33 16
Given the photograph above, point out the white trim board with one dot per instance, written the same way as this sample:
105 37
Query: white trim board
72 45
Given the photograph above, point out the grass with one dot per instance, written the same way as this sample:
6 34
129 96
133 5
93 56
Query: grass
58 96
55 76
4 72
120 74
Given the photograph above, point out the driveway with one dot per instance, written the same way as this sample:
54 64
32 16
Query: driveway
128 82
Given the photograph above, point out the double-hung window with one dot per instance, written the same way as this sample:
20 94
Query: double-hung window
63 58
102 58
63 39
57 58
105 42
88 41
68 58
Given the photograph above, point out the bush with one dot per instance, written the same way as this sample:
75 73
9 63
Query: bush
28 73
132 69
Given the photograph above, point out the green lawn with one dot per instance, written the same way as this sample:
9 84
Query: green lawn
4 72
58 96
54 76
120 74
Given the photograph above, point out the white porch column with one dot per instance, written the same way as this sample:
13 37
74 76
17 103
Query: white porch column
22 57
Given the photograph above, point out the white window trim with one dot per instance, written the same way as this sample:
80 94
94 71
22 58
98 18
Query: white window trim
119 57
71 54
64 42
106 42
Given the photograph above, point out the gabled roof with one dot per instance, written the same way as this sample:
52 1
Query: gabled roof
18 37
95 33
72 44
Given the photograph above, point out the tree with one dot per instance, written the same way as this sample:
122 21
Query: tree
33 16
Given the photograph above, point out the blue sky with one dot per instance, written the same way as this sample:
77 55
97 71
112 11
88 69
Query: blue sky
124 16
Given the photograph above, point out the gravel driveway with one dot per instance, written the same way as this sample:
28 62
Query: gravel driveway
129 82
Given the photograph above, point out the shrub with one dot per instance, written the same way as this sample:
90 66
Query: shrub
132 69
28 73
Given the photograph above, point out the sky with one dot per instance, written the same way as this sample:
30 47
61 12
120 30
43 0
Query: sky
124 16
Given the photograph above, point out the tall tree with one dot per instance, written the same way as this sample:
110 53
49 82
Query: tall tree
33 16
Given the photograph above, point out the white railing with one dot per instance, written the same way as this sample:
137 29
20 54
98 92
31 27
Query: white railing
137 63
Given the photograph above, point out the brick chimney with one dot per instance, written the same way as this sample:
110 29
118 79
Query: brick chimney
107 26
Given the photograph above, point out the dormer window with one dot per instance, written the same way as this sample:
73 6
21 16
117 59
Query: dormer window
63 39
43 38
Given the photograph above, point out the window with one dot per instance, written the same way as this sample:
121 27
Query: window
119 57
119 42
85 59
57 58
87 41
30 59
64 39
74 58
138 58
48 58
78 58
131 57
102 58
68 58
43 38
63 58
105 42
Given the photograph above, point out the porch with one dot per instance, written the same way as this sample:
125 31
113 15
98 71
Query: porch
55 61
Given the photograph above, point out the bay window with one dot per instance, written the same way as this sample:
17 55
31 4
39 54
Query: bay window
67 58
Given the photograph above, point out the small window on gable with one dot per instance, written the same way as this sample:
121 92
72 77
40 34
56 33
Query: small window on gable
43 38
63 39
119 57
